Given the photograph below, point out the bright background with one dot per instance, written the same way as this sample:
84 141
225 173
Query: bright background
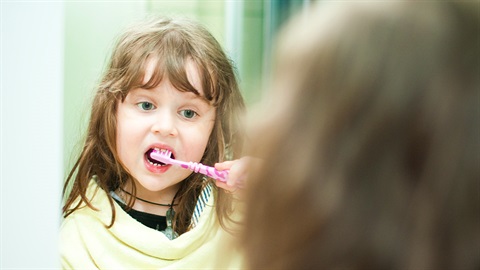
52 54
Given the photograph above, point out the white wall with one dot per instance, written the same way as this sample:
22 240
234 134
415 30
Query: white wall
31 132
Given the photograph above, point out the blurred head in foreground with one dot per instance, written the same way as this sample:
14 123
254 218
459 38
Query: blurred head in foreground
371 148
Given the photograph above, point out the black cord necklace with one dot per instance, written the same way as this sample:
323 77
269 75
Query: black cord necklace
169 231
154 203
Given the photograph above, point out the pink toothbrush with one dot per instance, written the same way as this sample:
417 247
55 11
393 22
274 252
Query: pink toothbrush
164 156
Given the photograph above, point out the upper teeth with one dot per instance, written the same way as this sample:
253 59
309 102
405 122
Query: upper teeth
162 151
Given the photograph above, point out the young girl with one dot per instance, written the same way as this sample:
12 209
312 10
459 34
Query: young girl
169 86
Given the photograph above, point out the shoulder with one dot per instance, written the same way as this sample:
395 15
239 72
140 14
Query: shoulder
97 202
82 231
86 221
72 241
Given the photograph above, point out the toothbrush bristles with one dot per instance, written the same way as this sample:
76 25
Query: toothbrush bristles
166 153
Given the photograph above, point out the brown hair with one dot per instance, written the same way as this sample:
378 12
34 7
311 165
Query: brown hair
372 160
172 42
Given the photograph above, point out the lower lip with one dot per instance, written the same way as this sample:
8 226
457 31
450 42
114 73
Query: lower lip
156 169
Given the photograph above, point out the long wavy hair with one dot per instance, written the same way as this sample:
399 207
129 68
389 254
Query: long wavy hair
374 158
173 42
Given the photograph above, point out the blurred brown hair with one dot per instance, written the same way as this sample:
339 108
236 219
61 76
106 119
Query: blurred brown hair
371 153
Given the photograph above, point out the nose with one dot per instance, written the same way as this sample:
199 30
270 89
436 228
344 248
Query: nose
164 124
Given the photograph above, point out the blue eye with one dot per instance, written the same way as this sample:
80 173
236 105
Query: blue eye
188 114
146 106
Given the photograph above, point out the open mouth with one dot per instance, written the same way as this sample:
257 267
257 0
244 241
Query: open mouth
155 162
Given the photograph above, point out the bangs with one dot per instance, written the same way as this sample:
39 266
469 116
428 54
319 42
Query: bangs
168 58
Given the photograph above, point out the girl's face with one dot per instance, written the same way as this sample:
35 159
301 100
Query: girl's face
163 118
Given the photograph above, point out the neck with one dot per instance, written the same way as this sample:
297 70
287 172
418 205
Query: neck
148 201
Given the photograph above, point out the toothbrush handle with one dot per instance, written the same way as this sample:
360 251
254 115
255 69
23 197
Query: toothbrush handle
207 170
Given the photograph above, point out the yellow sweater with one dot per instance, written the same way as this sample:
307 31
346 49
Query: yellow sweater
86 243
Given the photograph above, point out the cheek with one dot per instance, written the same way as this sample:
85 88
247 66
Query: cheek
199 142
119 139
125 135
208 133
